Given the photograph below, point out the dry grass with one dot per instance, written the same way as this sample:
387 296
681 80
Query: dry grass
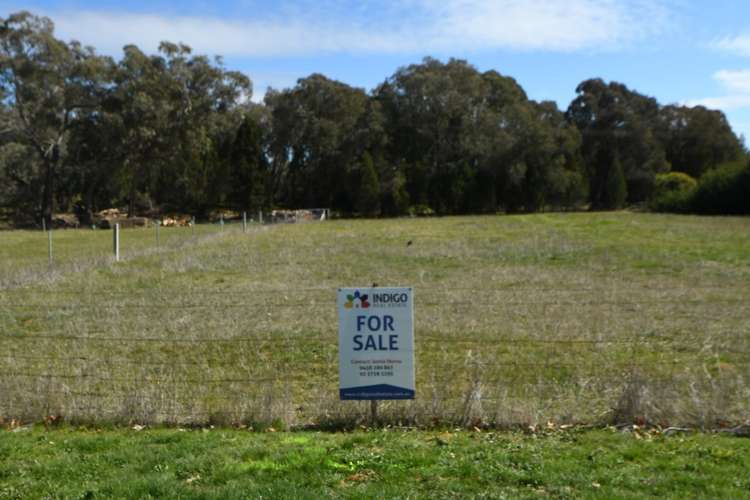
519 320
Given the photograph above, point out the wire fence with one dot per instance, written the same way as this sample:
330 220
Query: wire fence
119 355
246 352
52 252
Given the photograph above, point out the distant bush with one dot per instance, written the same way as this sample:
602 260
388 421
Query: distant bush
421 211
673 192
724 190
674 181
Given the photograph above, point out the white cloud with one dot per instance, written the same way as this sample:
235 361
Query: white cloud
737 85
413 26
734 81
739 44
543 24
724 103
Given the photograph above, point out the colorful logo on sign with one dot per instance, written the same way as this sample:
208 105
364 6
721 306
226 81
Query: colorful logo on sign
356 301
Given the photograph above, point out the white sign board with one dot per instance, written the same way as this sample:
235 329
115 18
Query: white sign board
376 343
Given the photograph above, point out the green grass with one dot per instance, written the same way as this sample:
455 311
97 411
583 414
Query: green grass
226 463
519 320
24 255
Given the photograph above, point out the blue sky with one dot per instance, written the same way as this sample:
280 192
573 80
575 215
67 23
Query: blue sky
679 51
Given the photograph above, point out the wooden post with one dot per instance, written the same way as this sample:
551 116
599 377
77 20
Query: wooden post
221 223
44 225
192 226
116 242
260 216
158 224
244 222
373 411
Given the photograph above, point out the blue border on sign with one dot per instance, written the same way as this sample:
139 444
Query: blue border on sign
380 391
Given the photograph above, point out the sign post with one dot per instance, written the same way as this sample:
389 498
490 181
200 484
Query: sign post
376 344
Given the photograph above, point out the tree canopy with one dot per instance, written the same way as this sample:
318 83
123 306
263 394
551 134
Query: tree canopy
176 131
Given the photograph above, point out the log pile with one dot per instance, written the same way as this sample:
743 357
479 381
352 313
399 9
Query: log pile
106 219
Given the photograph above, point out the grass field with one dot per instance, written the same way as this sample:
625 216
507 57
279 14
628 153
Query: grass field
226 463
519 320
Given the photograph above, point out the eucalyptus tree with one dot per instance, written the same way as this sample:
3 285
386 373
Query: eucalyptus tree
697 139
545 166
248 166
436 115
320 130
473 141
177 114
618 126
46 84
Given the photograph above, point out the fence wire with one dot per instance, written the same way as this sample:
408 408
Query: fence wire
166 355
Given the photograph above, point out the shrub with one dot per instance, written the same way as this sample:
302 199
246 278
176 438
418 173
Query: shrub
674 181
724 190
673 192
421 210
677 201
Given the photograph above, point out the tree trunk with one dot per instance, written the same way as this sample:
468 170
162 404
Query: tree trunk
48 191
89 201
131 200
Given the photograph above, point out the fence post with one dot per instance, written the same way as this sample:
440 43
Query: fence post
116 242
192 226
158 224
244 222
221 223
44 225
49 246
260 216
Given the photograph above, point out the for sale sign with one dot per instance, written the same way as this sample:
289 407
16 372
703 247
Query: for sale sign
376 343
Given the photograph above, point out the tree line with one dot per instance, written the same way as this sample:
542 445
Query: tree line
175 131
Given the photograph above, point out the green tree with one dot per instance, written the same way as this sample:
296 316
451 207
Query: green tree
611 116
451 127
248 167
45 85
615 187
368 193
472 141
394 194
320 130
178 115
697 139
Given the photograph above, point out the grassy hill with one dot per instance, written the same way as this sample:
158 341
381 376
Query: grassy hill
519 320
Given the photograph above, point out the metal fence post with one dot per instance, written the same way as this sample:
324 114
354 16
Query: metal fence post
44 225
244 222
260 216
116 242
158 225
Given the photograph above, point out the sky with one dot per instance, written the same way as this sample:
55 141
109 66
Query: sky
694 52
